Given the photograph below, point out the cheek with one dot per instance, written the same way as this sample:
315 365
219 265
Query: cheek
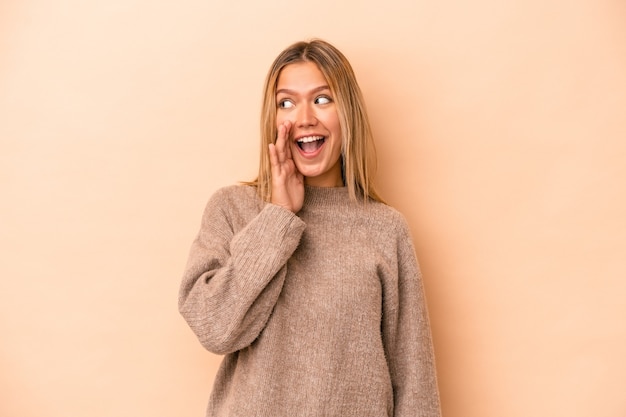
334 126
281 118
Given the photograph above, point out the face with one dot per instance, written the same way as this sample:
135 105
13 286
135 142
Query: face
304 98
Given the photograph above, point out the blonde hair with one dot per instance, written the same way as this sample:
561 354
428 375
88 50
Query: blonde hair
358 153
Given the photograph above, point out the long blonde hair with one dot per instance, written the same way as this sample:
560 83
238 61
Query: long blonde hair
357 149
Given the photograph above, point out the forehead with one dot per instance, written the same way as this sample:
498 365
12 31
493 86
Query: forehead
301 77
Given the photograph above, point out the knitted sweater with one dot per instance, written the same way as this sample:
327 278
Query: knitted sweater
319 314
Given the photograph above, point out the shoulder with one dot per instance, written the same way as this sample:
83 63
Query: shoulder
236 193
387 218
233 199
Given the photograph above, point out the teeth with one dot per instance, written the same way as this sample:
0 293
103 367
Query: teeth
308 139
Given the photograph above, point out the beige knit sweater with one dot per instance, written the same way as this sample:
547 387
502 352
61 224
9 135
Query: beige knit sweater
319 314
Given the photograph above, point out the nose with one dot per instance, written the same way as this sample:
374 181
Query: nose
305 116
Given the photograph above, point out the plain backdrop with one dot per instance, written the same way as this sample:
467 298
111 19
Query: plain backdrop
501 131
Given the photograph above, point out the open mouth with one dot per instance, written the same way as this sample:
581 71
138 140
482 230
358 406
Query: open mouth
310 144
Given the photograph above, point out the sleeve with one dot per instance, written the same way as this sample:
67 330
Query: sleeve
407 338
232 279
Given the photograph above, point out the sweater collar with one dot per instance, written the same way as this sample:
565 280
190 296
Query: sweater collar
324 196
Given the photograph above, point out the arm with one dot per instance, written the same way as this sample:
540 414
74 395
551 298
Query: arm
234 277
408 341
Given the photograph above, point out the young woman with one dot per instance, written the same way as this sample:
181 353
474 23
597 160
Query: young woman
304 279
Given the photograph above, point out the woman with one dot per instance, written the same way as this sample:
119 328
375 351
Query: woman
304 278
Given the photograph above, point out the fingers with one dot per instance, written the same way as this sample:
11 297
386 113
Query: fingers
273 155
281 164
282 142
280 151
287 126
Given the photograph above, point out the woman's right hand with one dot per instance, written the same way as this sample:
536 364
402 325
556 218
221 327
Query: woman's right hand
287 181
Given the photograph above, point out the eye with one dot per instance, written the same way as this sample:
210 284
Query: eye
323 100
285 104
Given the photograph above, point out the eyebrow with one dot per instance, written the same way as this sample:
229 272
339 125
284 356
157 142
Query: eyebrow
293 93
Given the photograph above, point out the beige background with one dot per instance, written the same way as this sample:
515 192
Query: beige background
502 138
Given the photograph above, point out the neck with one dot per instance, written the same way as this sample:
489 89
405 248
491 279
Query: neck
325 181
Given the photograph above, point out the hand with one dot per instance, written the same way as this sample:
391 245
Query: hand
287 181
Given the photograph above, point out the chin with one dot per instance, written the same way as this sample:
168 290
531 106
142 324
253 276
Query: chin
310 173
308 170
